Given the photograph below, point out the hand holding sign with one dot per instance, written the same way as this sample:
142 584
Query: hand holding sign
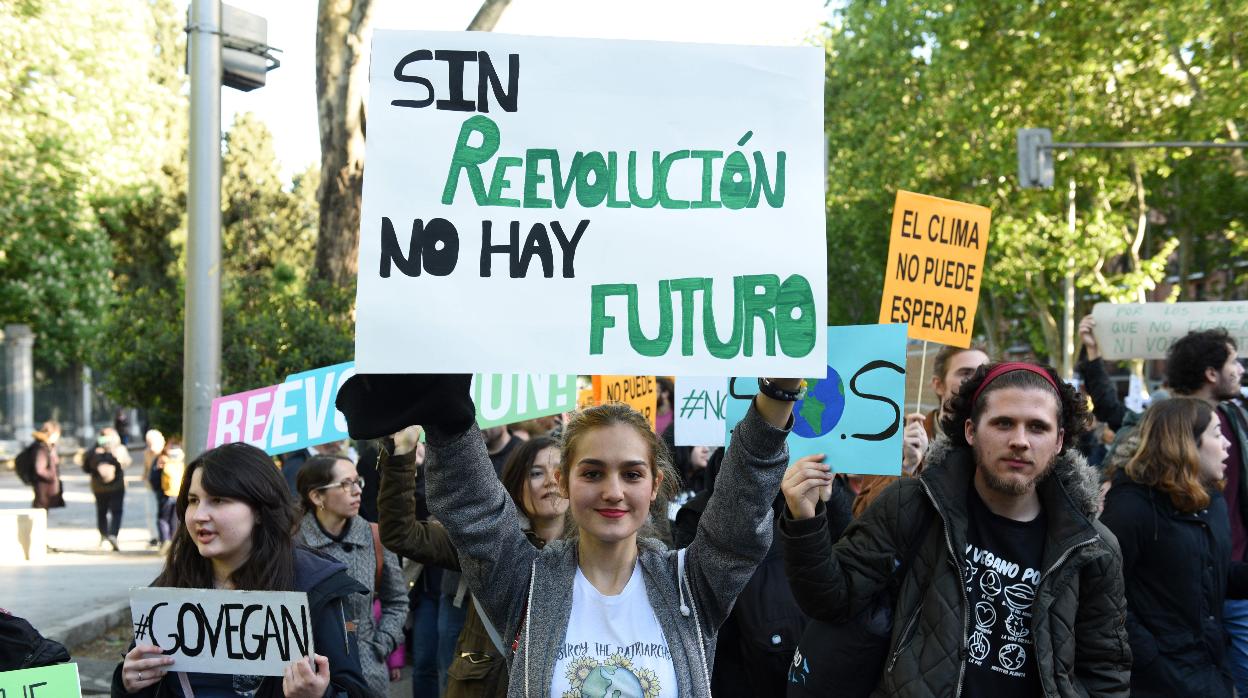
143 666
914 443
805 483
300 681
1087 335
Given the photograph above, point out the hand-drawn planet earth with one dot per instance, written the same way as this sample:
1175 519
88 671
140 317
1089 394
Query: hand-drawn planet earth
1012 657
611 682
820 411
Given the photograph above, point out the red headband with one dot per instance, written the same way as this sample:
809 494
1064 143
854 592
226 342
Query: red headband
1007 367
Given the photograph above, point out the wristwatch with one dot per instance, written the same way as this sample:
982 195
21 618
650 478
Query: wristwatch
775 392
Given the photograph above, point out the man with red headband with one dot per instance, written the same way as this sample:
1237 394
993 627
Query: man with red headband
1010 586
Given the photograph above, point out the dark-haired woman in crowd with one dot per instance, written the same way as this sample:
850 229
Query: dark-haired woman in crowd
1167 511
529 476
329 490
238 524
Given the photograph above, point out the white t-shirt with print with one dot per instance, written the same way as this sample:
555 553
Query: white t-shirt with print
614 646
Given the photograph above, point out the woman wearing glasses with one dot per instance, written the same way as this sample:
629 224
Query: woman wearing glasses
330 489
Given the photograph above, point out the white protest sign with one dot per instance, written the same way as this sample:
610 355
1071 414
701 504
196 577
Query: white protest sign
212 631
1146 330
669 196
700 405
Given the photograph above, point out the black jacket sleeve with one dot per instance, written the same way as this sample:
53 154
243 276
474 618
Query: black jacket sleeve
1124 518
1105 403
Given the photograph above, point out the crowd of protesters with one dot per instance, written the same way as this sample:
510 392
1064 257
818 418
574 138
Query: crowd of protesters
1014 556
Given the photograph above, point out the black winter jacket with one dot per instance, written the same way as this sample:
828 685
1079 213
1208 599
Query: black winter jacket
1078 617
757 641
1178 570
327 584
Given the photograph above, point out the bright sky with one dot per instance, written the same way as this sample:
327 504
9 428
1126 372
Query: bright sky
288 102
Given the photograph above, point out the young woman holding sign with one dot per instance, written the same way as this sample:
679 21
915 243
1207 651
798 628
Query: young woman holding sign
605 606
239 519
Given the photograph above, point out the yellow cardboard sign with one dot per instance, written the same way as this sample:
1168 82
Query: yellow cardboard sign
638 392
935 267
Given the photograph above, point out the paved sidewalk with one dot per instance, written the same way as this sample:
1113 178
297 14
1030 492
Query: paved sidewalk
80 589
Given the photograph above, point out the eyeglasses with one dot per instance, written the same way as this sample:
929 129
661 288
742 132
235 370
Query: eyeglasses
345 485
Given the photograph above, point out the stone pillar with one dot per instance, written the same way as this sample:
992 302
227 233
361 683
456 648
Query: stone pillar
19 341
87 430
136 431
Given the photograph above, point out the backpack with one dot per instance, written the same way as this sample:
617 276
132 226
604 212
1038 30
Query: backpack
24 464
22 647
102 465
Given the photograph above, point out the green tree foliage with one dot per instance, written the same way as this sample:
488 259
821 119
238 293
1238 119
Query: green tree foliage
928 95
73 127
93 129
274 321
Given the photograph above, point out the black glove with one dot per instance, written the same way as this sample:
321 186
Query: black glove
378 405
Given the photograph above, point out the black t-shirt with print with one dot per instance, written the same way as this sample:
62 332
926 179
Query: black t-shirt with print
1002 570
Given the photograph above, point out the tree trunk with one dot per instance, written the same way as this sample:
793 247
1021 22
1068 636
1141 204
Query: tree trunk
341 77
1041 303
989 323
342 54
488 15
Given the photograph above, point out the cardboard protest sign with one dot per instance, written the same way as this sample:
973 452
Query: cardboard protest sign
1146 330
299 412
504 171
214 631
935 266
638 392
853 413
56 681
700 405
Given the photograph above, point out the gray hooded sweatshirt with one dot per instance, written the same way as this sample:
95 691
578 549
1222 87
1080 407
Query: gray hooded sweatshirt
527 593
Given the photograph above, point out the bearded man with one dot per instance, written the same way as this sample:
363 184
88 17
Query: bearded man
1011 587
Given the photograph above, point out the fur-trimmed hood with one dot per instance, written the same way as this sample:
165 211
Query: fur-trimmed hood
1080 481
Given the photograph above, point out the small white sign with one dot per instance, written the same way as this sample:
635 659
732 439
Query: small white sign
700 405
212 631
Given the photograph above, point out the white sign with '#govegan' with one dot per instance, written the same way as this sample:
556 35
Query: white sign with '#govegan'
211 631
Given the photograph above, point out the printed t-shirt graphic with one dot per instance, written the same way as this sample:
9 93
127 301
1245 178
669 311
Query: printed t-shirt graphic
1001 572
220 685
614 647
